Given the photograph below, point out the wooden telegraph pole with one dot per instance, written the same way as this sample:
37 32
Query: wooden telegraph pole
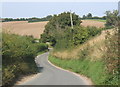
71 19
71 25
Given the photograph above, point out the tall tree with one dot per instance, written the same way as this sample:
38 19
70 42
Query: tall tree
84 17
89 15
57 25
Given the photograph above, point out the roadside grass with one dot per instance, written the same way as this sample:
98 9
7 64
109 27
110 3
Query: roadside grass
100 20
92 69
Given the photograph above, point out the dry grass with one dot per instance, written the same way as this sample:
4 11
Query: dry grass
94 23
95 46
24 28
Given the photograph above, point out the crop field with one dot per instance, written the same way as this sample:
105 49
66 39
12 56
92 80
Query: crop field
96 23
24 28
37 28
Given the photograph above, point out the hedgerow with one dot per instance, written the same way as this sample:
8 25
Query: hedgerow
18 56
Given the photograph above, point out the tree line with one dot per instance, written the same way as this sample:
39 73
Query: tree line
33 19
90 16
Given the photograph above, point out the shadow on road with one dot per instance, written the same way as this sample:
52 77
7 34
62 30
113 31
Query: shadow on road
40 69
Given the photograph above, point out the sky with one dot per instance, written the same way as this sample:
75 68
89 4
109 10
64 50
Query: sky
42 9
60 0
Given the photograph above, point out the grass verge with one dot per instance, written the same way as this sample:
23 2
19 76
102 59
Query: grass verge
92 69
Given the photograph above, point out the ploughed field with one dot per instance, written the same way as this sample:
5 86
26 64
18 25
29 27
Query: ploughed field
35 29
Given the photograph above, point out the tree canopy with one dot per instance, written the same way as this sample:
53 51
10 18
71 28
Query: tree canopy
58 23
59 32
112 18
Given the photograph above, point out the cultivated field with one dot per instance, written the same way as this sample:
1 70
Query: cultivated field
93 23
24 28
37 28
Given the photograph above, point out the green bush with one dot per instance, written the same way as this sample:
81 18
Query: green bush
41 46
18 55
112 57
80 35
92 31
112 18
69 38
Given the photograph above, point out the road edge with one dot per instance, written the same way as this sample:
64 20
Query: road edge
87 80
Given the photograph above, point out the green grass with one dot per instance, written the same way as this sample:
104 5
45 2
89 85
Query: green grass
100 20
94 70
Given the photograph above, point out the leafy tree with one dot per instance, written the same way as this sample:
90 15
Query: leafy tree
104 17
89 15
80 35
84 17
59 31
57 25
112 18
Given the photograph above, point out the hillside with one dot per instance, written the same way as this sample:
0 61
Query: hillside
97 42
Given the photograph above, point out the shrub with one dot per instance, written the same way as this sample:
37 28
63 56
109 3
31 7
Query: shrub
112 57
18 55
41 46
111 18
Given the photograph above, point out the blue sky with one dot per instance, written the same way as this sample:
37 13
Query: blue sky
42 9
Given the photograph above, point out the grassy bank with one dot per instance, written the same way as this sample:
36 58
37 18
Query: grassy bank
93 70
18 55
